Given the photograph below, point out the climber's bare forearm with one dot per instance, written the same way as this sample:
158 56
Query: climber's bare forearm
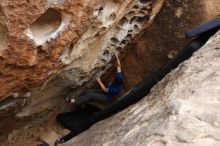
102 85
118 63
118 68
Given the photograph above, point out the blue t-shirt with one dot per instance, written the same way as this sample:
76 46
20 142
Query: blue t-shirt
115 87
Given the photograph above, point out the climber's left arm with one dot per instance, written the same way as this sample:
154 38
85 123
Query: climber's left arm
101 84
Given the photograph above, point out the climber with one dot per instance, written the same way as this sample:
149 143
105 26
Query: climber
107 93
104 96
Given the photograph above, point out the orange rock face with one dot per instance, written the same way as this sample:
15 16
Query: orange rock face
34 35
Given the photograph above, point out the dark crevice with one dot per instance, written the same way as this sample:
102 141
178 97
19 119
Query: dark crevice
106 53
135 7
112 17
71 47
123 21
7 102
133 19
114 40
144 1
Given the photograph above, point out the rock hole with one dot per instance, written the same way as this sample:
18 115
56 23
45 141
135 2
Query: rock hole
112 45
128 37
136 7
45 26
118 49
145 10
104 59
40 47
9 101
144 1
101 31
123 21
71 47
141 14
130 14
136 28
3 32
114 40
141 20
112 17
41 51
106 53
133 19
124 42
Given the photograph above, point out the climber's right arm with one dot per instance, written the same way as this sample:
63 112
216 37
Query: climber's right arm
118 63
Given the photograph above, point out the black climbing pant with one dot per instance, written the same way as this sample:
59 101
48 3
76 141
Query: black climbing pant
92 95
75 119
69 136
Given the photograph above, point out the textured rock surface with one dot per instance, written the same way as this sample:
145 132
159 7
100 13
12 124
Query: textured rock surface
165 36
33 43
73 45
72 39
182 109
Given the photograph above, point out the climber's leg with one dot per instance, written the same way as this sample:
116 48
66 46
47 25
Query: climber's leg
69 136
92 96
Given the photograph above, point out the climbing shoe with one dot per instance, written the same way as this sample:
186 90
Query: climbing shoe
59 141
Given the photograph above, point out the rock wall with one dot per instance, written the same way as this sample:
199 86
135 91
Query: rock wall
33 39
182 109
41 39
165 37
50 45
